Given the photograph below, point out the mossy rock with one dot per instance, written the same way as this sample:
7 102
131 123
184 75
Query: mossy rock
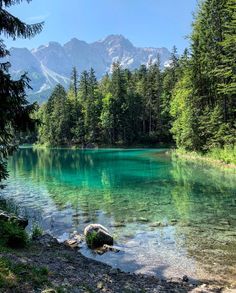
96 236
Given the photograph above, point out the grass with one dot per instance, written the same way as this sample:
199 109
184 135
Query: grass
91 239
16 276
36 231
224 157
7 277
13 274
226 154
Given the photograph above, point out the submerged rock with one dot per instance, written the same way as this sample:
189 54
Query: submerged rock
105 248
143 210
118 225
96 236
173 221
185 278
75 240
100 285
22 222
225 222
158 224
155 224
49 291
144 220
72 243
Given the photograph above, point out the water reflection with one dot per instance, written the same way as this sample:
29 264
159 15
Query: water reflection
163 212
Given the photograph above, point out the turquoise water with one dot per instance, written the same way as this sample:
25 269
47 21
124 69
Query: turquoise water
169 218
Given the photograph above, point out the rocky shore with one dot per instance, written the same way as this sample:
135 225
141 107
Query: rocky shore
67 270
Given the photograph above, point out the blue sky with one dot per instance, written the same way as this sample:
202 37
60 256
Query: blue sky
146 23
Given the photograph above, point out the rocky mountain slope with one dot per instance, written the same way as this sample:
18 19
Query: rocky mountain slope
52 63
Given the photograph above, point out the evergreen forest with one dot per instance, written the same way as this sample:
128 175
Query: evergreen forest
191 103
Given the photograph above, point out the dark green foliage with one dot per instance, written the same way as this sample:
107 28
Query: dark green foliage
14 108
74 82
91 105
170 78
55 119
119 106
204 99
12 235
123 108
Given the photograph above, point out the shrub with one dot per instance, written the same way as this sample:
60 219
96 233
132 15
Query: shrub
12 235
226 154
36 232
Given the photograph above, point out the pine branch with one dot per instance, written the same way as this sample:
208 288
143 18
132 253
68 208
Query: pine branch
8 3
13 27
3 51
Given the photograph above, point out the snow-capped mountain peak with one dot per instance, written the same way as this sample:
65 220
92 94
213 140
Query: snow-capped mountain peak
52 63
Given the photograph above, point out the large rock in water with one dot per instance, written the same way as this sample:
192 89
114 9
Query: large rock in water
22 222
96 236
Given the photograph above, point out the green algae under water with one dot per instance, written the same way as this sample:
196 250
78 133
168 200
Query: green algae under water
169 218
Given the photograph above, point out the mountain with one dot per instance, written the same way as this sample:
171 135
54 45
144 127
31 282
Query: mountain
52 63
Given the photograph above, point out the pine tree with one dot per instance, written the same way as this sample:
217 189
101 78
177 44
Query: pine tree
203 103
74 106
134 110
84 86
106 118
226 70
74 82
60 117
119 109
212 76
55 129
14 108
83 95
183 114
140 77
153 98
170 78
92 109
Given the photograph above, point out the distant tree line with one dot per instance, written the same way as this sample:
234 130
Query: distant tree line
192 102
124 107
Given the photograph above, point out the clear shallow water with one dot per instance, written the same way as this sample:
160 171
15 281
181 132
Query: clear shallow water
64 190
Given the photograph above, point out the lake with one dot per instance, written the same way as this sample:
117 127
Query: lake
170 218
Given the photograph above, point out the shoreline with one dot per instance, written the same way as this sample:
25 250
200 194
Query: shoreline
173 153
98 147
67 270
200 159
